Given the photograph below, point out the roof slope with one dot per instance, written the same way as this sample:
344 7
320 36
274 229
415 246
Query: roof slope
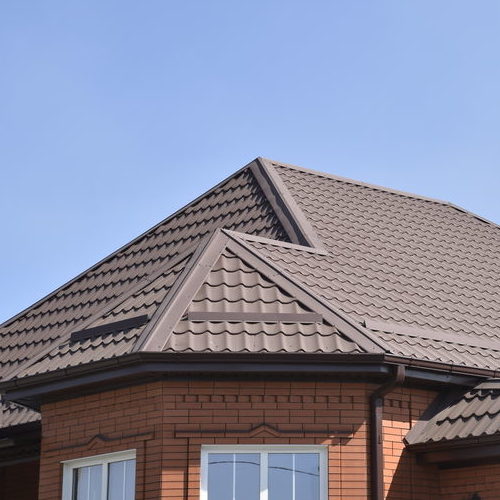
238 204
308 263
399 257
248 312
117 341
219 299
436 344
422 265
476 414
361 299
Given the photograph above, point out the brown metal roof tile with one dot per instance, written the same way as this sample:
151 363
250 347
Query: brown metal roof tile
237 203
398 246
108 345
235 288
475 413
258 338
384 255
12 414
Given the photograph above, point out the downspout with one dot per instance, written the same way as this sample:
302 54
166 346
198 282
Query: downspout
376 433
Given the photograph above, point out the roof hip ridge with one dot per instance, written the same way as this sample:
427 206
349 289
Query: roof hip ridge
278 243
378 187
287 210
349 327
114 253
181 293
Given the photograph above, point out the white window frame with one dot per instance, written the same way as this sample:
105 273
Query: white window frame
264 450
104 460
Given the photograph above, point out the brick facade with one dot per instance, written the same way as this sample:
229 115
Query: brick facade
403 478
167 422
464 483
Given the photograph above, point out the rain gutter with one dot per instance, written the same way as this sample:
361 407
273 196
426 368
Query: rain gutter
376 432
140 366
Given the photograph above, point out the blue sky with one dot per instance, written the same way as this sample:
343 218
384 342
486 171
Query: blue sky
115 113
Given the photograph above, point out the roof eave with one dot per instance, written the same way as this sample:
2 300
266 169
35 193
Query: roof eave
458 452
443 367
143 366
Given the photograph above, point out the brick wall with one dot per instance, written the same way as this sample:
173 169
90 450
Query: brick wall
167 422
129 418
19 482
403 477
463 483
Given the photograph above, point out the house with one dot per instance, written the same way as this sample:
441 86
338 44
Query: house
289 335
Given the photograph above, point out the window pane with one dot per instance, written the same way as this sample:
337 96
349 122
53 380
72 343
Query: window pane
306 476
220 476
121 480
233 476
293 476
87 483
247 476
130 479
280 476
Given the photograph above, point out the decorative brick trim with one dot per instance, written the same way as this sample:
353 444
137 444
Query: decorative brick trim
262 430
90 443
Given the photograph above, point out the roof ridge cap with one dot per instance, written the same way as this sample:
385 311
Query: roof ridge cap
181 293
278 243
291 216
386 189
349 180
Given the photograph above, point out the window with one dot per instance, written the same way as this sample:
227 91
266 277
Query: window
279 472
102 477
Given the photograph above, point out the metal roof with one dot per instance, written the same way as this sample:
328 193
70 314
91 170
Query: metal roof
238 204
307 263
396 257
120 341
234 288
472 415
